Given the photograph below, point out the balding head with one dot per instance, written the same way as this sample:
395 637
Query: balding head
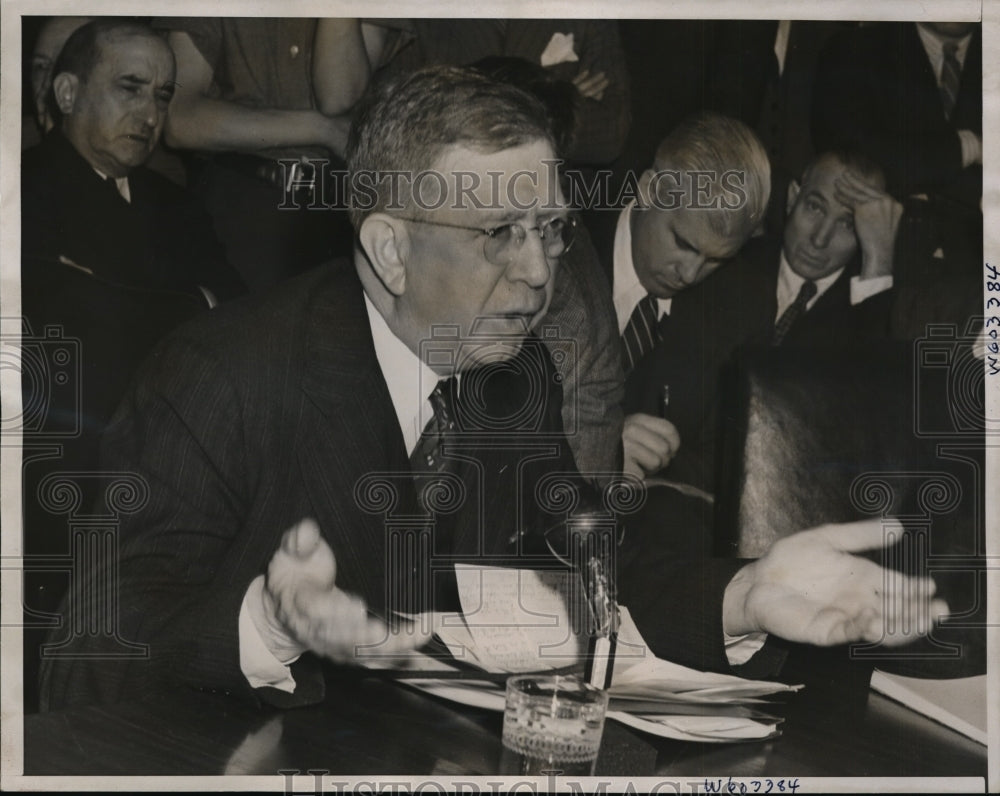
113 82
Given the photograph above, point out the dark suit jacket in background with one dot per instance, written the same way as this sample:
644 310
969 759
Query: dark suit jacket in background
161 240
744 82
261 413
708 323
876 92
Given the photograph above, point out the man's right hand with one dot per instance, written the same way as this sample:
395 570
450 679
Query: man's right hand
303 604
650 443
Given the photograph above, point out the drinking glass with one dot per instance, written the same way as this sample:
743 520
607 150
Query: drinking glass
552 723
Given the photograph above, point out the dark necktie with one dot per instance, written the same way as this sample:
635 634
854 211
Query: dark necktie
642 332
426 455
951 76
112 186
792 313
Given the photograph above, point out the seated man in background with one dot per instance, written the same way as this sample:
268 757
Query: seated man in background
260 427
826 283
87 200
697 205
114 256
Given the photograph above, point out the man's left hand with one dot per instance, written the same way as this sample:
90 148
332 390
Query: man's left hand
876 221
809 588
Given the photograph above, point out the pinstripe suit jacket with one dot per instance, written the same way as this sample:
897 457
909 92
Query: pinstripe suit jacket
269 410
252 418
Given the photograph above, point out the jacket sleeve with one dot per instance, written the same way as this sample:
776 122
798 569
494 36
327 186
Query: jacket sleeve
185 554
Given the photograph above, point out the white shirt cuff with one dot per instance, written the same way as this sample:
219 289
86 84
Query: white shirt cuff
259 664
740 649
862 289
972 147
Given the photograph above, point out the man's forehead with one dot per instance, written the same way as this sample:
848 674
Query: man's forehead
126 51
822 176
508 181
699 229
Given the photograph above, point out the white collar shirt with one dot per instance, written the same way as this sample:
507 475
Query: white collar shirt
628 290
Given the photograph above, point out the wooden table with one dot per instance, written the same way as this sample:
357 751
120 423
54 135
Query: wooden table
370 726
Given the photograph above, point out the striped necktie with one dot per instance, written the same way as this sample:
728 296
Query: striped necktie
426 455
951 77
642 332
793 311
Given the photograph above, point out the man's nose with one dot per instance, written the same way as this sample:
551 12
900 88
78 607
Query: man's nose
822 233
151 113
690 268
531 265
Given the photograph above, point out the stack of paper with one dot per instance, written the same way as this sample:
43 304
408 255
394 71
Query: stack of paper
523 621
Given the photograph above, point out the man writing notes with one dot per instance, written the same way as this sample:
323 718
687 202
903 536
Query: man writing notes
259 431
825 283
695 208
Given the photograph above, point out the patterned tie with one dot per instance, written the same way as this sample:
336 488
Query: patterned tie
792 313
426 455
642 332
951 77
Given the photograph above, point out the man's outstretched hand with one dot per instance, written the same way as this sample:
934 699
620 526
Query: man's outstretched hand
303 604
809 588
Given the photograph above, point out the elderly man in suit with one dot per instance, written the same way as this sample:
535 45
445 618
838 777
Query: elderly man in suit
113 254
284 439
112 85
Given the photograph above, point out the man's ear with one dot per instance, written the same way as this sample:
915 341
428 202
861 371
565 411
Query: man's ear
386 241
65 86
793 194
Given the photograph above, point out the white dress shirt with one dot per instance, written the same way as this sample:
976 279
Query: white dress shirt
410 382
627 290
789 284
934 47
121 183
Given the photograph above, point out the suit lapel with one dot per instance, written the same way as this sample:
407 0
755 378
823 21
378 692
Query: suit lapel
348 433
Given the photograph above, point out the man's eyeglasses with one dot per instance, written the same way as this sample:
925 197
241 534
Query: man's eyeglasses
502 243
